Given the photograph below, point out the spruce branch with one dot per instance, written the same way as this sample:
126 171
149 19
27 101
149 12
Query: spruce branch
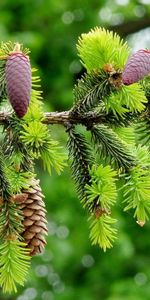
142 131
14 147
97 192
101 102
5 187
127 100
64 117
136 188
10 217
14 257
14 264
99 47
111 148
91 91
10 220
101 195
137 194
82 159
102 232
3 94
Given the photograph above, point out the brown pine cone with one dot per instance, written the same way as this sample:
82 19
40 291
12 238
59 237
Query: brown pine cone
33 208
18 82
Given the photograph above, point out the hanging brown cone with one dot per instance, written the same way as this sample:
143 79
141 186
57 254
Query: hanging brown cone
32 205
18 81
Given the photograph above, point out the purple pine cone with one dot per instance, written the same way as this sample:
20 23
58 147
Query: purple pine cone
137 67
18 82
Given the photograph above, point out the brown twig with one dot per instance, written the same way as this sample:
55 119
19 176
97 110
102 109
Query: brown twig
63 118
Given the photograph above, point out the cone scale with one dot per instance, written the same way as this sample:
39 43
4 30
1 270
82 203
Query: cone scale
18 82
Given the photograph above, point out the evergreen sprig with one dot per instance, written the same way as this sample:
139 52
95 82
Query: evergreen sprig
10 220
100 47
136 189
82 159
126 134
36 135
112 119
14 257
142 131
40 144
145 83
19 180
102 188
3 94
14 264
5 187
91 90
99 92
15 150
102 232
101 195
142 156
111 148
137 194
127 99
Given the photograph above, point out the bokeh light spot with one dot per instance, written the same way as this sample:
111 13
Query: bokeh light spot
87 261
67 17
41 270
62 232
140 279
47 295
31 293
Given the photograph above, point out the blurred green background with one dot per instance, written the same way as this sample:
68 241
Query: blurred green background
70 267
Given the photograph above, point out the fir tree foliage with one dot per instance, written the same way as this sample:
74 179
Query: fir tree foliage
14 257
111 148
82 158
137 193
91 91
102 232
36 135
120 149
126 134
142 131
2 82
24 140
101 195
14 264
103 51
136 190
104 55
100 47
101 179
128 98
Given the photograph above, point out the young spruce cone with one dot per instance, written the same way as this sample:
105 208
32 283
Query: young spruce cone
18 82
33 208
137 67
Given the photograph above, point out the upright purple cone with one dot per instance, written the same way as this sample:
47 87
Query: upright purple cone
137 67
18 82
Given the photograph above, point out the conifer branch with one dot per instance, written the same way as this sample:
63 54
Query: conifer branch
111 148
101 102
63 117
91 90
82 160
